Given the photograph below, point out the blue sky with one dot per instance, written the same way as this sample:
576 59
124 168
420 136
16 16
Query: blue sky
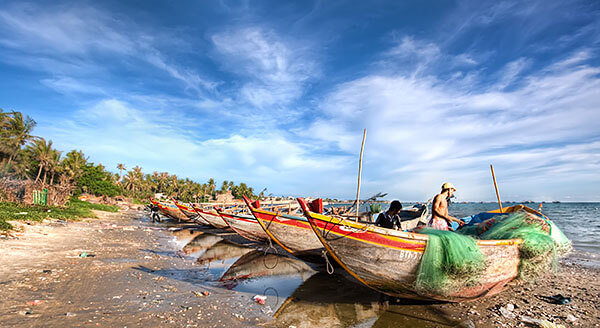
277 93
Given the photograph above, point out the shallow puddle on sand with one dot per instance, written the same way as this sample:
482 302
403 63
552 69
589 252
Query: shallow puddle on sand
299 294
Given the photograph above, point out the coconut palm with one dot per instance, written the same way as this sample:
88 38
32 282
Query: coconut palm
43 153
73 164
121 167
16 132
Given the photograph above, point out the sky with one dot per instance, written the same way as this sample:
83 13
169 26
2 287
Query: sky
276 94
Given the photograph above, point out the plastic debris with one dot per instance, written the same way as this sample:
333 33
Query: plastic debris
35 302
201 294
571 318
507 311
260 299
70 314
86 254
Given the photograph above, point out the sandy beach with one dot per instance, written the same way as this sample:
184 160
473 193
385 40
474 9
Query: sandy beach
134 273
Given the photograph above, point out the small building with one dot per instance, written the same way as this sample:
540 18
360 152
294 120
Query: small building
226 197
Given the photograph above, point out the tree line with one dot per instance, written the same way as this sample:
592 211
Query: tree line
29 157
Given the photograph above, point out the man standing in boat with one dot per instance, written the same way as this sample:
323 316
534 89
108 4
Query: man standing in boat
440 219
390 219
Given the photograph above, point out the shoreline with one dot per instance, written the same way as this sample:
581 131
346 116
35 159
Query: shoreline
134 275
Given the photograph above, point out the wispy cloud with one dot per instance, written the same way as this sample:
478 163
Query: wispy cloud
76 35
422 126
276 71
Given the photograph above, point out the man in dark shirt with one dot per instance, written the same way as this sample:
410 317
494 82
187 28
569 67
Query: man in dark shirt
390 219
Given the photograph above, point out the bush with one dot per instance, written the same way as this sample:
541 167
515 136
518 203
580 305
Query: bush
75 209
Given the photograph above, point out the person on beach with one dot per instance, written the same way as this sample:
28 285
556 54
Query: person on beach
154 213
390 219
440 219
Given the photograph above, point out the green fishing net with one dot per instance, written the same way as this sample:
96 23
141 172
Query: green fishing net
449 262
375 208
452 260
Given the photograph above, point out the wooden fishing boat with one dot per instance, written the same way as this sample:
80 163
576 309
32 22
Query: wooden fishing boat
170 210
211 216
190 213
388 260
245 225
293 233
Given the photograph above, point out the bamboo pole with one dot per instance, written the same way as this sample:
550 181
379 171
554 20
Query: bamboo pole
362 147
496 187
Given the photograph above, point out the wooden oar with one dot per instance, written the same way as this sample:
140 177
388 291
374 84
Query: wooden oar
496 186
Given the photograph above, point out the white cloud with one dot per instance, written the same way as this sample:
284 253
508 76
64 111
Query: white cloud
277 71
423 131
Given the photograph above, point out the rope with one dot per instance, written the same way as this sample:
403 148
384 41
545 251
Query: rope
328 264
265 255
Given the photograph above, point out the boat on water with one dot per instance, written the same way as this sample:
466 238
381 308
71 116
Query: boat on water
388 260
245 225
210 215
293 233
190 213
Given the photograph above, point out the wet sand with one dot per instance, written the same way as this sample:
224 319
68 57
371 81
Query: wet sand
142 274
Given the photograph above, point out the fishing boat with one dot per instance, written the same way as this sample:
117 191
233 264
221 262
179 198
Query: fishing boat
190 213
245 225
210 215
388 260
170 210
293 233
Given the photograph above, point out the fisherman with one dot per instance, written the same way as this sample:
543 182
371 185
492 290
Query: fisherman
390 219
440 219
154 213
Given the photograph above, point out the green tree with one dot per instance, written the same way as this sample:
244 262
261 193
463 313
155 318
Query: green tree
121 167
95 180
15 132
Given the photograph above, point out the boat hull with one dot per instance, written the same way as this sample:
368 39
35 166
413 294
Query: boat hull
245 226
388 260
293 234
173 212
190 213
212 217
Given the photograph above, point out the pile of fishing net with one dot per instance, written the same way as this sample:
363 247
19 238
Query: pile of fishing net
452 260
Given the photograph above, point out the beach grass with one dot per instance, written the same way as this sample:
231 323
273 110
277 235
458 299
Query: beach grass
74 209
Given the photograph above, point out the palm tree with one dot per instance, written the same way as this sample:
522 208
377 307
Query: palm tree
16 133
224 186
73 164
211 186
53 166
121 167
42 152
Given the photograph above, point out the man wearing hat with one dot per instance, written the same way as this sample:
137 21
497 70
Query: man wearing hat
439 218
